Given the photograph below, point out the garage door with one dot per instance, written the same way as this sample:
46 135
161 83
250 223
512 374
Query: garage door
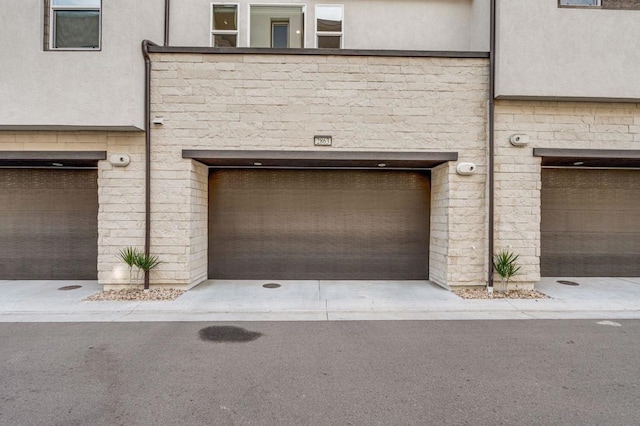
590 223
49 222
318 224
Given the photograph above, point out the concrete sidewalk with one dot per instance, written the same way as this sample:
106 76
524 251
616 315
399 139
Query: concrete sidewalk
42 301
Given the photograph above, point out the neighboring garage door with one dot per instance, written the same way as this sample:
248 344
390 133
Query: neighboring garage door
49 223
590 223
318 224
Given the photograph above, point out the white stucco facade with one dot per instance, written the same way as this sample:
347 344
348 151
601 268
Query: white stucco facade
547 52
456 25
86 90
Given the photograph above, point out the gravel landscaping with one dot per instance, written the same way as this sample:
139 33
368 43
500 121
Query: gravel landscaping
127 294
481 293
159 294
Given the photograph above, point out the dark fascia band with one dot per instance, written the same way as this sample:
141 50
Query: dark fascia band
46 158
317 52
320 159
559 157
565 99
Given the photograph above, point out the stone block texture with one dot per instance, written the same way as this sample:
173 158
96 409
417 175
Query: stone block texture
271 102
574 125
120 189
279 102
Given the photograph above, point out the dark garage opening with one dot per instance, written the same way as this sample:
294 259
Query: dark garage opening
49 222
318 224
590 224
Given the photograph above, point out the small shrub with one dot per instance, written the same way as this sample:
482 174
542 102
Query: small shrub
147 262
506 265
142 262
130 255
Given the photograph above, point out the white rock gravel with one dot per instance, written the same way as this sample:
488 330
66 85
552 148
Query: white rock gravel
136 294
159 294
481 293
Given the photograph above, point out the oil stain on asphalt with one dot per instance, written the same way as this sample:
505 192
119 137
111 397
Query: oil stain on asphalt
227 334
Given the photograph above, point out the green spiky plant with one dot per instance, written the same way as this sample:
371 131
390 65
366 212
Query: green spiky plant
147 262
142 262
506 265
129 255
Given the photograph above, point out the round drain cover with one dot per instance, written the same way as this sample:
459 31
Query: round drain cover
567 282
271 285
70 287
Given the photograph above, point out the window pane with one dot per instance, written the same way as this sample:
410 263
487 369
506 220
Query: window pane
579 2
262 19
95 3
329 18
280 35
329 42
225 40
225 18
77 29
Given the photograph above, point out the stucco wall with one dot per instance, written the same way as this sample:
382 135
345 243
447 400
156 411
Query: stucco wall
550 52
575 125
279 102
410 24
456 25
104 90
480 27
84 89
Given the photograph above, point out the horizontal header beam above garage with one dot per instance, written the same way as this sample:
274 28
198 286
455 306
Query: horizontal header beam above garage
320 159
51 158
609 158
318 52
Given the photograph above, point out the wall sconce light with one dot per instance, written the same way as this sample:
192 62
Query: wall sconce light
465 169
120 160
519 140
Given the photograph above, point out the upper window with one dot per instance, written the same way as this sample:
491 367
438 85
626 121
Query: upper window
74 24
329 26
276 26
579 2
602 4
224 25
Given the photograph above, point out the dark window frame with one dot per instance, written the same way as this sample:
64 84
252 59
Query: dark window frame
283 23
324 34
605 5
215 32
581 6
49 27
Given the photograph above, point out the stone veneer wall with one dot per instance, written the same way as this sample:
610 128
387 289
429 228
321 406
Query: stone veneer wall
439 227
438 115
120 189
574 125
198 238
279 102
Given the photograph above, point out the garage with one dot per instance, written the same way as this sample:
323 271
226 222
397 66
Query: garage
318 224
49 216
323 214
590 224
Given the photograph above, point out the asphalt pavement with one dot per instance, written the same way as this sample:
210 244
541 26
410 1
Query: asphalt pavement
538 372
